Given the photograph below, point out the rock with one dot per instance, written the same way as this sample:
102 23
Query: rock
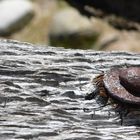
70 29
118 7
36 31
113 11
127 41
14 15
107 34
111 39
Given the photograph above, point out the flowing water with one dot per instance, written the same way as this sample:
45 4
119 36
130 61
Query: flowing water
42 94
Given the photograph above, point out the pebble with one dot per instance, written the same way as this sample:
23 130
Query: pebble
14 14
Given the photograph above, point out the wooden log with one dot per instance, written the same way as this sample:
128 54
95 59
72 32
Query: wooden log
44 89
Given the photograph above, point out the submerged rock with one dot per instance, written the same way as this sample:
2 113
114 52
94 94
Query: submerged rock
14 14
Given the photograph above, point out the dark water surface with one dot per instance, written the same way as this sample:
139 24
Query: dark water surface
44 90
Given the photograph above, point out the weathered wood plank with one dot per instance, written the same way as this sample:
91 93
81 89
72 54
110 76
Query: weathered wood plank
45 88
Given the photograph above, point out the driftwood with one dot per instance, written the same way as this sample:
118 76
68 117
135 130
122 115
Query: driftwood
42 93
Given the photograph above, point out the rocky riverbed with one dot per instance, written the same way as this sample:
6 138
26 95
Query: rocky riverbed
54 22
42 93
